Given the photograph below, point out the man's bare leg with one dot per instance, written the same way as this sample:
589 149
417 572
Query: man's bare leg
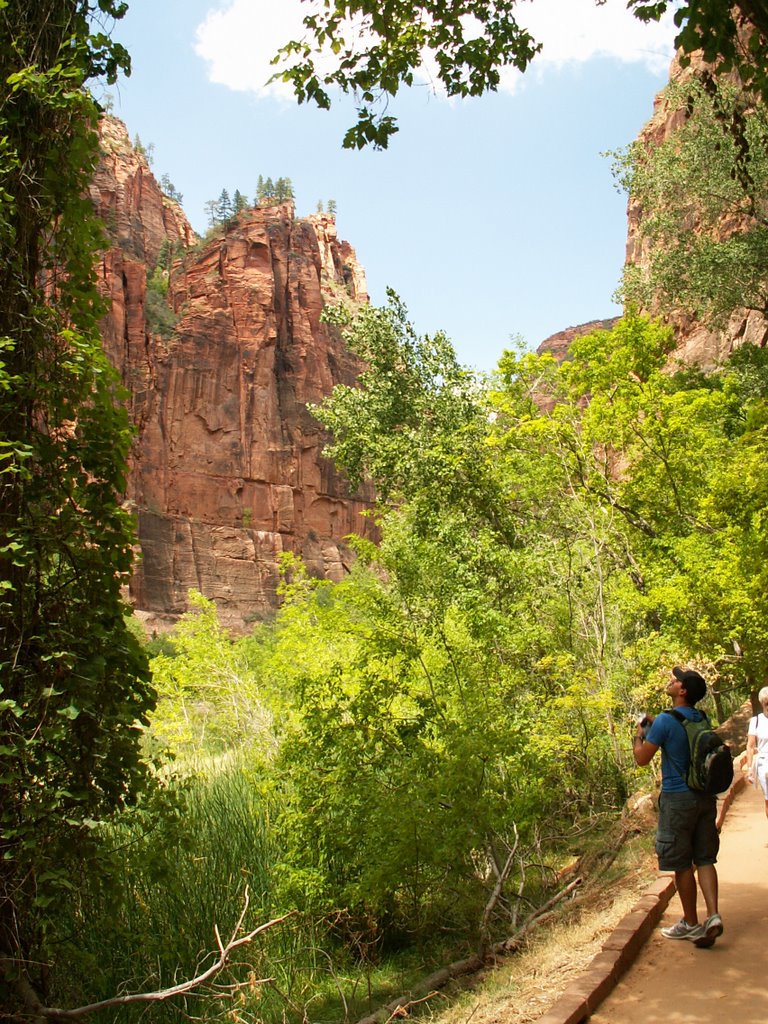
708 881
685 882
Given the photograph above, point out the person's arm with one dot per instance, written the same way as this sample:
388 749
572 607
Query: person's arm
751 750
643 751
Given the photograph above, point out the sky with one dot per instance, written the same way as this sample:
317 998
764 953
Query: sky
493 218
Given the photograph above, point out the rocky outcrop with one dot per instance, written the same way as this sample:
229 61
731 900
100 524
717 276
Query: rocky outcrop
227 471
139 218
559 344
695 343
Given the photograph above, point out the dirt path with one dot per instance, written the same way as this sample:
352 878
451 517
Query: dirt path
674 982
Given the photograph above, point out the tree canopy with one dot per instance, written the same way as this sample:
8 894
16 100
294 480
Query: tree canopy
551 543
378 45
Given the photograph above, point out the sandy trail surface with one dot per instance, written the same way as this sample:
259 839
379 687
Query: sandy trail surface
673 981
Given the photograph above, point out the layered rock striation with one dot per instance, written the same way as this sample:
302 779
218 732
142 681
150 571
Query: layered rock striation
227 471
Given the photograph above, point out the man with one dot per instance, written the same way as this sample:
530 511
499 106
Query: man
687 832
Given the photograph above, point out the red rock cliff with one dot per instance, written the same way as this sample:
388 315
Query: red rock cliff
695 342
558 345
227 471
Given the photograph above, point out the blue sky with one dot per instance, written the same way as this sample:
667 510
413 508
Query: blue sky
492 218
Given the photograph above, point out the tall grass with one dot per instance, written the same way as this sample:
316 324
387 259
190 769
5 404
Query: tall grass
181 878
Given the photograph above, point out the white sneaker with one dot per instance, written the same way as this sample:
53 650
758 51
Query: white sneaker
683 930
713 929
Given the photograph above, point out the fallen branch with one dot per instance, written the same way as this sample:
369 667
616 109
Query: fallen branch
405 1008
501 877
425 990
48 1013
512 944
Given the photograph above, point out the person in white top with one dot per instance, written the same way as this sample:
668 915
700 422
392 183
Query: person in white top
757 748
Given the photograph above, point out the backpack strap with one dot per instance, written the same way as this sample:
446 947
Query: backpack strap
681 719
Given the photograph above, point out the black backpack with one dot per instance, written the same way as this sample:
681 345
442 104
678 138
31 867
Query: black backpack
711 766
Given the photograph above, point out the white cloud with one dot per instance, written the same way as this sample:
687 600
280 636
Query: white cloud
577 30
238 40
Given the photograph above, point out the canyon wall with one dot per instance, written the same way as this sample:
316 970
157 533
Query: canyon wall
227 471
695 343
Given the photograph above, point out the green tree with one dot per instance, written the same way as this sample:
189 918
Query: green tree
268 191
283 189
170 189
412 412
486 631
694 469
168 253
406 723
220 211
160 318
146 152
470 43
74 683
224 208
731 37
549 546
208 699
659 453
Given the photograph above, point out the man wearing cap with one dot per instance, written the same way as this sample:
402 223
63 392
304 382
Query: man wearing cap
687 832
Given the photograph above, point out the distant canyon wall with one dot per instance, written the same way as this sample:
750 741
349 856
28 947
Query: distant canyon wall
227 471
558 344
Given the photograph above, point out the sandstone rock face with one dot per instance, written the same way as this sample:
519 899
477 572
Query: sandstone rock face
138 217
695 343
227 471
558 344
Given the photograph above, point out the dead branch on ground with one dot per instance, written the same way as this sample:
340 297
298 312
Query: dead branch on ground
501 876
512 944
428 988
405 1009
45 1014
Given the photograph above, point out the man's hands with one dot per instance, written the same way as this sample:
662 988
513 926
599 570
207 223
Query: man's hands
642 750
